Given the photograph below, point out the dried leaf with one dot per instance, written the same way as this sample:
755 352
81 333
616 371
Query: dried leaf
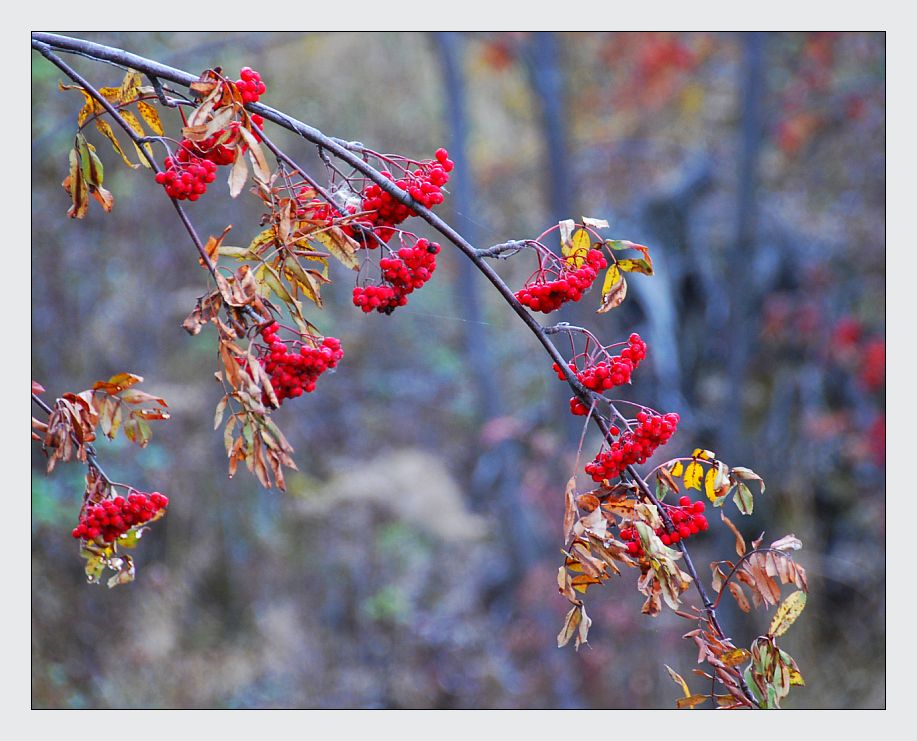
735 657
690 702
342 247
787 543
614 290
106 131
151 116
677 678
238 174
740 541
571 624
787 613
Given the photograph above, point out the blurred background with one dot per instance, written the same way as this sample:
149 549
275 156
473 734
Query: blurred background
412 562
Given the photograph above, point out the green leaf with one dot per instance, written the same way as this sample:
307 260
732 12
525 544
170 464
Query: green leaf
744 499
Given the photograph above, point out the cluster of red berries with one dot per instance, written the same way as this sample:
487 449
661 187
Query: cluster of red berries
109 520
403 274
194 164
294 372
250 85
607 373
214 147
424 185
186 175
634 446
687 517
548 295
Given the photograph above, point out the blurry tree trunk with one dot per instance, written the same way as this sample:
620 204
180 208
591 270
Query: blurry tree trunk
744 298
476 344
523 548
547 81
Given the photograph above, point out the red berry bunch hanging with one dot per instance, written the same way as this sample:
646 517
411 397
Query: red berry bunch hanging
688 518
403 274
424 185
294 371
602 375
216 146
317 211
186 175
634 446
109 520
250 85
541 294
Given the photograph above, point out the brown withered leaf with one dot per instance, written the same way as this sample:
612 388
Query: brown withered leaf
565 585
238 174
739 595
664 477
691 701
735 657
740 541
587 502
262 170
207 308
212 247
614 290
570 627
582 582
117 383
76 188
590 566
787 543
570 513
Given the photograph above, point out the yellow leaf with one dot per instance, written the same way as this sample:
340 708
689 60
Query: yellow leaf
796 678
131 120
111 94
614 289
710 484
693 475
575 250
787 613
690 702
130 86
704 455
151 116
339 245
265 238
736 656
677 678
104 127
635 266
677 470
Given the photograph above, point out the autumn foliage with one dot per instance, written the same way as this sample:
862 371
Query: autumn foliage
262 291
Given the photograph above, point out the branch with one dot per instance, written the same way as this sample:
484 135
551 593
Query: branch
45 50
347 152
91 459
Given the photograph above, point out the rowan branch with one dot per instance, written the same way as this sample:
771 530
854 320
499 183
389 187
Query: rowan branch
349 152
